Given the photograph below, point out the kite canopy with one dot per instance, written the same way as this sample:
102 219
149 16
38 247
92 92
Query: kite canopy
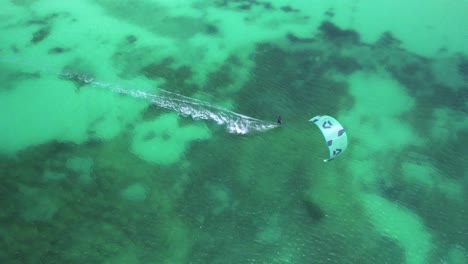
334 134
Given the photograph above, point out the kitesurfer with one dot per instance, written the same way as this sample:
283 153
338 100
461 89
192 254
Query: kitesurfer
279 120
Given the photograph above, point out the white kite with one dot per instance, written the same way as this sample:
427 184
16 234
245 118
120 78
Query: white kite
334 134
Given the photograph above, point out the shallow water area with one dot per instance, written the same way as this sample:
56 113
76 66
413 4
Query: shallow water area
147 132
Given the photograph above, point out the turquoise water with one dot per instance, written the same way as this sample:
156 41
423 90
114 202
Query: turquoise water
145 131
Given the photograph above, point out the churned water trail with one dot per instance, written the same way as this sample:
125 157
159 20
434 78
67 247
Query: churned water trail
235 123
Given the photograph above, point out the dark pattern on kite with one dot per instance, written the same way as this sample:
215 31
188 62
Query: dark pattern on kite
341 132
327 124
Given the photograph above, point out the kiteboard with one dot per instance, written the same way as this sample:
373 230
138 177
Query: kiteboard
334 134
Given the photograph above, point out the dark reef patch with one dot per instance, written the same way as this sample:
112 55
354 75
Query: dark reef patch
243 4
447 97
176 78
25 75
42 21
337 35
131 39
151 112
40 35
289 9
330 13
345 65
149 136
463 68
414 73
313 210
11 77
211 30
296 77
244 7
266 5
387 40
217 81
14 49
58 50
295 39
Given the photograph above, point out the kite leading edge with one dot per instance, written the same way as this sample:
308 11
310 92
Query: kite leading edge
334 134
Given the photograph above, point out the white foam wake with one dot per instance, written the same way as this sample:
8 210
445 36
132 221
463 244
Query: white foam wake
198 110
186 106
